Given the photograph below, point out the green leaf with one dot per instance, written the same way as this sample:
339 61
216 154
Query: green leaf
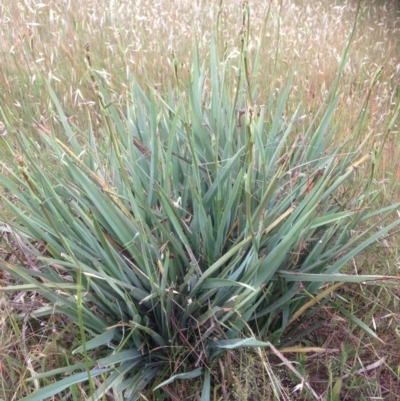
120 357
96 342
336 390
219 283
238 343
30 287
222 176
324 220
188 375
56 388
67 127
324 278
358 322
160 341
206 391
222 260
61 371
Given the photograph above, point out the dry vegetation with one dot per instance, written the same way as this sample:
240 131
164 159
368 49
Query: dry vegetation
137 39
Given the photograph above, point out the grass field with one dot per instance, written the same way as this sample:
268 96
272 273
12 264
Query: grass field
153 42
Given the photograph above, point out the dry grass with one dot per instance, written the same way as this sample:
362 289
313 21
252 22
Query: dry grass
136 39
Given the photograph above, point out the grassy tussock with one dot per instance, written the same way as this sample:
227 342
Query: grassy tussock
138 39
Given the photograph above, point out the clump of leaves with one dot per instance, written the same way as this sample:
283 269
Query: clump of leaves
198 222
